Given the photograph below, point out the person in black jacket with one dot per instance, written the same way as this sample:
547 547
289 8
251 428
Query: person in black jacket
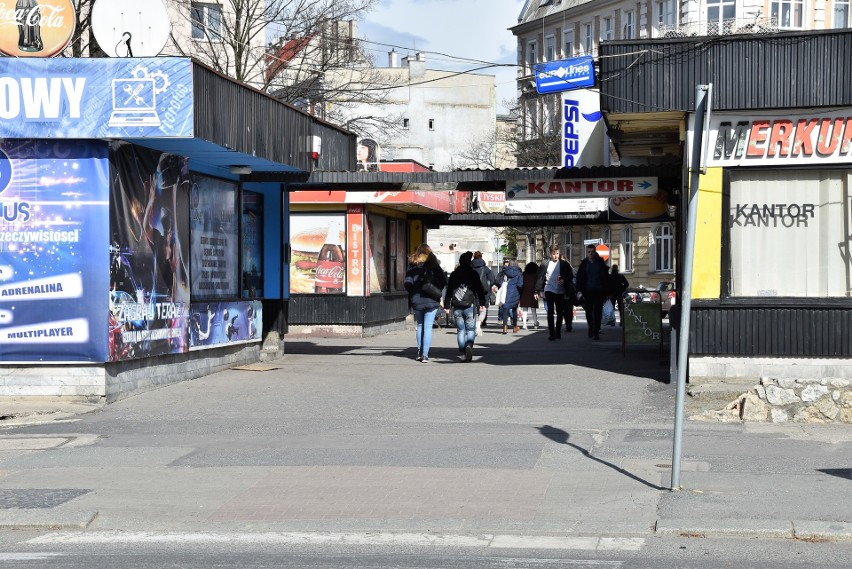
618 284
464 294
487 279
593 283
423 277
554 280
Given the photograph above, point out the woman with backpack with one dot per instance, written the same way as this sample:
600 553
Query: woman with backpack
424 281
464 294
514 283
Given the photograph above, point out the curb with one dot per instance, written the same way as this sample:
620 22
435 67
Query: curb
33 519
790 529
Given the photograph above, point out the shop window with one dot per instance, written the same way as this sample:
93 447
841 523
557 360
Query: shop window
252 247
789 233
397 251
318 260
206 21
377 254
626 249
662 249
214 239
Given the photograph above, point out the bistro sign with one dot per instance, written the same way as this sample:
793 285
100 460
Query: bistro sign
798 139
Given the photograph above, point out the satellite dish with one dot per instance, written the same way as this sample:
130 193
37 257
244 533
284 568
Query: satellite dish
139 28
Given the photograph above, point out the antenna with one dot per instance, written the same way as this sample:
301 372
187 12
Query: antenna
131 29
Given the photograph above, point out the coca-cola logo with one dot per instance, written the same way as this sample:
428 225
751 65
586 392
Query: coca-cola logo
36 28
330 273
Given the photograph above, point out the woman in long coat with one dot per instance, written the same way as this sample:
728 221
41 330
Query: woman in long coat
529 302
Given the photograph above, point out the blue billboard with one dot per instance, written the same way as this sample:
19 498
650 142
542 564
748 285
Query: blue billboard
95 98
54 250
565 74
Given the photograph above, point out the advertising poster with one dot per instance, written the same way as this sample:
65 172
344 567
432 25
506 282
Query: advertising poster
317 254
355 239
213 228
219 323
118 97
252 261
149 250
53 250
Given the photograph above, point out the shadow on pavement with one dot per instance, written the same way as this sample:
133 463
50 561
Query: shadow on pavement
839 472
526 348
559 436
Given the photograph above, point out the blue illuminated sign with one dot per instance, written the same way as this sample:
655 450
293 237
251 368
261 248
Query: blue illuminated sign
563 75
95 98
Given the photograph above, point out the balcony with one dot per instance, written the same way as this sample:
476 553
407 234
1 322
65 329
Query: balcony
738 26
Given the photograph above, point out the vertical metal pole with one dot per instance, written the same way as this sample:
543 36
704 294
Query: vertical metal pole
701 108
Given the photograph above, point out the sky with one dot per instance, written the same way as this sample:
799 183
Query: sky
475 29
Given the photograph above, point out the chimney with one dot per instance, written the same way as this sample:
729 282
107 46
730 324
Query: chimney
393 58
416 66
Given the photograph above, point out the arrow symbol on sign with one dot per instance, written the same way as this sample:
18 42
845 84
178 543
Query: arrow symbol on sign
645 184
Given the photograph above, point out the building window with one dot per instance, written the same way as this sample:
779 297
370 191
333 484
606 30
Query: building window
718 13
206 21
405 123
568 43
841 14
552 118
787 13
789 233
531 130
606 237
431 124
532 56
550 48
587 234
666 14
606 29
663 249
629 30
588 39
626 249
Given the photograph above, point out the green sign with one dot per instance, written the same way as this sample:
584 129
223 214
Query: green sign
643 323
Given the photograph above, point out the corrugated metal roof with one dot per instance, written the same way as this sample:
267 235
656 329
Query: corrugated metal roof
475 179
783 70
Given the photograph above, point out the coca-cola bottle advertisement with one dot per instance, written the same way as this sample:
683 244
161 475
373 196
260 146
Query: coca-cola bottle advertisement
318 254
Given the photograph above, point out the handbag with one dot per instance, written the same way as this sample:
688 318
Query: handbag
430 291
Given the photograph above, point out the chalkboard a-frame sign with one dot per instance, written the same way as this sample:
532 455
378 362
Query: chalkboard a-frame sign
643 324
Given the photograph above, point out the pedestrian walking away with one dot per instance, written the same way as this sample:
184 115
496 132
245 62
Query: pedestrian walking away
529 301
554 278
570 296
465 296
593 283
424 281
487 279
618 285
513 281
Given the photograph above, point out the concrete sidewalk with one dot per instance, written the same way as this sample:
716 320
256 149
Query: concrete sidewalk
353 435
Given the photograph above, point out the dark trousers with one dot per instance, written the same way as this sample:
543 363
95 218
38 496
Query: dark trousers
594 309
555 304
568 303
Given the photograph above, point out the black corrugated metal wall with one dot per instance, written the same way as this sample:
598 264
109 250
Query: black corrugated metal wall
783 70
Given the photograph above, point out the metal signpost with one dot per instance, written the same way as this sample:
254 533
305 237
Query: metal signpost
702 116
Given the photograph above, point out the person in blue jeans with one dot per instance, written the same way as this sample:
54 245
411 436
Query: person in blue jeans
465 295
424 281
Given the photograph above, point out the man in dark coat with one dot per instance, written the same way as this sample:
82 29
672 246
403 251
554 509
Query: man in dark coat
593 283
